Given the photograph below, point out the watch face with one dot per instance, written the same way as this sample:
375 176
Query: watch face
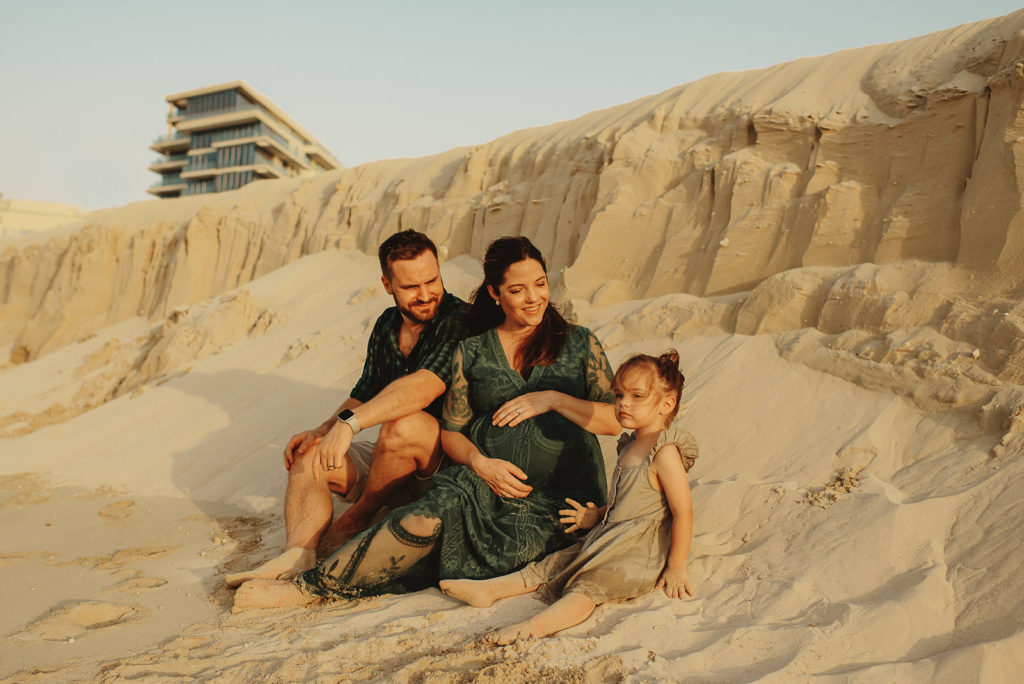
345 415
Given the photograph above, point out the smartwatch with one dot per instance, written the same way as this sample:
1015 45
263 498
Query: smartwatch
347 416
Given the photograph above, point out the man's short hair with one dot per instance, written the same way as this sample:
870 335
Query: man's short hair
403 245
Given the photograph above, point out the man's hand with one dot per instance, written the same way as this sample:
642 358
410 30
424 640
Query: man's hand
676 583
579 517
300 444
331 451
504 478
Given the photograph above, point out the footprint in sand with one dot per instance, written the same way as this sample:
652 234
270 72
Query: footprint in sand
141 583
76 618
118 509
134 581
12 558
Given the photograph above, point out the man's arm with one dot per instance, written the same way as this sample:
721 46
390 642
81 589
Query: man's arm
402 397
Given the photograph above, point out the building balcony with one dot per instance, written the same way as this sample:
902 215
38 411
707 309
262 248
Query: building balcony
175 161
283 151
171 143
184 115
177 114
318 154
200 173
265 171
167 188
220 119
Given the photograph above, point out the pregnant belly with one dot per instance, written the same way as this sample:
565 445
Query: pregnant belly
545 447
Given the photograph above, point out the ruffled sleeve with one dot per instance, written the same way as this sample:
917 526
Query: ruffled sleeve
683 440
625 439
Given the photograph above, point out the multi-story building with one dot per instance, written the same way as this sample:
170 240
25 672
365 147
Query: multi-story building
225 136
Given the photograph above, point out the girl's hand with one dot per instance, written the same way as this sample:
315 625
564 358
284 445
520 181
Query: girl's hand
504 478
676 583
579 517
515 411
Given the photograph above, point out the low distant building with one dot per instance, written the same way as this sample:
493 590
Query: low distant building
18 217
225 136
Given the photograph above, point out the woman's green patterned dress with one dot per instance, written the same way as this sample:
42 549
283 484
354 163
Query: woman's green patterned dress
480 534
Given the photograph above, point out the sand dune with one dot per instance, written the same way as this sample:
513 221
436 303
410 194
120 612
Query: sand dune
832 244
880 154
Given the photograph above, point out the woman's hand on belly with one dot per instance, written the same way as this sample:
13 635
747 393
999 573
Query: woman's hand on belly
505 479
515 411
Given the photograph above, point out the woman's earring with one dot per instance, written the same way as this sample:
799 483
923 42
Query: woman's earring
497 303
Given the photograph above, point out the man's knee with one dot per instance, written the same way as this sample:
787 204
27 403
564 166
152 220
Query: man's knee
339 479
302 464
419 431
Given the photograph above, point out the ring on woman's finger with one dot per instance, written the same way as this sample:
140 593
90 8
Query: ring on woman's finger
519 411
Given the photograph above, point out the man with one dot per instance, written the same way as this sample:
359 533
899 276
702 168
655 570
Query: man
406 373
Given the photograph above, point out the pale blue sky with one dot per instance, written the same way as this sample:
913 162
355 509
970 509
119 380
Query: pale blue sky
83 83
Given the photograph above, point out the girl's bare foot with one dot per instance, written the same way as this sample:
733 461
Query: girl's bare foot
261 593
284 567
482 593
508 635
474 592
572 609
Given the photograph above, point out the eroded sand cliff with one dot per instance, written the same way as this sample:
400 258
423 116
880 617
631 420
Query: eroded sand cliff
885 154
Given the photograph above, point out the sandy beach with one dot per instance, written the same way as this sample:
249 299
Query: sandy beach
835 246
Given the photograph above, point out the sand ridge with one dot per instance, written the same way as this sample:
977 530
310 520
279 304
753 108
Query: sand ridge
881 154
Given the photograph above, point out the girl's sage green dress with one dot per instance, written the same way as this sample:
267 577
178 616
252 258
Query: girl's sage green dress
477 534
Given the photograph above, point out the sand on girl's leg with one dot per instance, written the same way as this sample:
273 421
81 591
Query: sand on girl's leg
288 565
566 612
262 593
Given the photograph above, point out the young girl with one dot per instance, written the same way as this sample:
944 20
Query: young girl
636 543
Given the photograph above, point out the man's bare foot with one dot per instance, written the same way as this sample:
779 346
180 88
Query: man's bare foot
262 593
284 567
508 635
476 593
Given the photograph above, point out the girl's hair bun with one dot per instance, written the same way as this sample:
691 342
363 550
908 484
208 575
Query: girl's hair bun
668 369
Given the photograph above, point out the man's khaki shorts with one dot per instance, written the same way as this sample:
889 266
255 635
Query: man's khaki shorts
360 453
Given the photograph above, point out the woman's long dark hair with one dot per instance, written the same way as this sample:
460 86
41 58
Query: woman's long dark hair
545 344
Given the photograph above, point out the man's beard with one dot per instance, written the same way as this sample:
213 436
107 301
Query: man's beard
418 317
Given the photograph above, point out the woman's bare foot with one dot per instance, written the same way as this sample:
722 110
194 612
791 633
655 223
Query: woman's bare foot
284 567
508 635
262 593
482 593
